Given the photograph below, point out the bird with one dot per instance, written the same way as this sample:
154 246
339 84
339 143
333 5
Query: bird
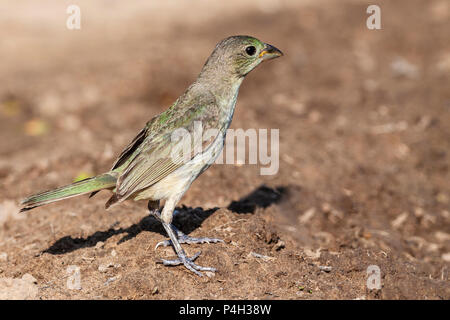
151 168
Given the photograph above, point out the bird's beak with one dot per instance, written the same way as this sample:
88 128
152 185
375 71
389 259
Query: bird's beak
270 52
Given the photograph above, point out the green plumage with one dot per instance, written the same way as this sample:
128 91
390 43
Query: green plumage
75 189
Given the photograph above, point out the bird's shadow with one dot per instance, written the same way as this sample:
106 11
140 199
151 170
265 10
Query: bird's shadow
187 220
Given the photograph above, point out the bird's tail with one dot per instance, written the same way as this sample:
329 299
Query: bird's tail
100 182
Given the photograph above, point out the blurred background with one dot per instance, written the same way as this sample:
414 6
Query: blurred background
364 147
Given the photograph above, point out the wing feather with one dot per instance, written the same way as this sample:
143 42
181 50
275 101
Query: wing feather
149 159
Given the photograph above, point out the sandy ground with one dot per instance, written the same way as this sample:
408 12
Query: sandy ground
364 150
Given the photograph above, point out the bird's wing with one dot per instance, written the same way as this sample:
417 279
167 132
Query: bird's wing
150 157
127 154
130 149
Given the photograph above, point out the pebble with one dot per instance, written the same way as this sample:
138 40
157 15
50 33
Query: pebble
280 245
446 257
105 266
439 235
325 268
305 217
401 67
3 256
29 278
99 245
312 254
260 256
398 222
19 289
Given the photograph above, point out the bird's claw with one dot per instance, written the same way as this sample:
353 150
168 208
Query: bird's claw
188 263
189 240
176 238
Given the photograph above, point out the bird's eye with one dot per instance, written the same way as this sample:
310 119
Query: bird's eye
251 50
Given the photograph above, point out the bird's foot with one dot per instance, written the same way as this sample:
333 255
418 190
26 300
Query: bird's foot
183 238
189 240
188 263
176 238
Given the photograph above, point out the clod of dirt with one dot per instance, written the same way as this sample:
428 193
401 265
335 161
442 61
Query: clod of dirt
18 289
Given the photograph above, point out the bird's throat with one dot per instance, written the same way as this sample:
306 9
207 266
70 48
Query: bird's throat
225 90
227 97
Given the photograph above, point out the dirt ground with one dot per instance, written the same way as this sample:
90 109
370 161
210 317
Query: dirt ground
364 150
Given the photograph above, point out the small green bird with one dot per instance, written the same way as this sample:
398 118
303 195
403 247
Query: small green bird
147 169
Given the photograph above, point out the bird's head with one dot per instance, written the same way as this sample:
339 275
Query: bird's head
239 55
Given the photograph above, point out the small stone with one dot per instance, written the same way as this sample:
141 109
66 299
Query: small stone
305 217
403 68
105 266
419 212
29 278
398 222
326 207
260 256
18 289
312 254
390 127
314 116
439 235
279 245
325 268
3 256
112 279
99 245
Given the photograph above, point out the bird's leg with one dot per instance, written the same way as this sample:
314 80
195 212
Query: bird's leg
153 208
166 219
182 257
182 238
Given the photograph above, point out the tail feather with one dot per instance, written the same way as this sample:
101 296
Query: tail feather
88 185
